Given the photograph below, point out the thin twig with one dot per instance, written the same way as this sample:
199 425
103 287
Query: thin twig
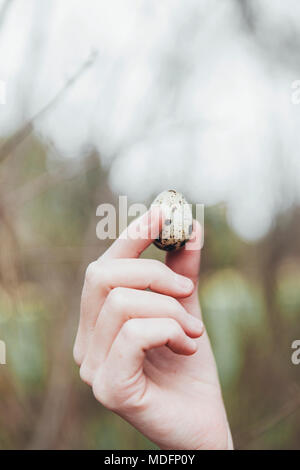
27 128
42 183
268 424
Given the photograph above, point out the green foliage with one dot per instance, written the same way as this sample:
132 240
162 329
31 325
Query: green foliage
233 313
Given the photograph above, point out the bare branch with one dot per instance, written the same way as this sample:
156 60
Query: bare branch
27 128
266 425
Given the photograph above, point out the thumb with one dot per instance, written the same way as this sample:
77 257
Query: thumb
187 263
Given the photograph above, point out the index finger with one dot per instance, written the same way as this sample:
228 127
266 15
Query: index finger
137 236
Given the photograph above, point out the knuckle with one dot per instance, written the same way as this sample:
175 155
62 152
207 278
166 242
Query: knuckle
130 329
95 274
174 305
77 355
116 299
174 329
91 273
156 263
103 392
159 266
85 374
176 310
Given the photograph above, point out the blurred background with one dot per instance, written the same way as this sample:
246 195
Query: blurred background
101 99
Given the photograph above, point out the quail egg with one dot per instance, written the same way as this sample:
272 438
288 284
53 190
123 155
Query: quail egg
178 223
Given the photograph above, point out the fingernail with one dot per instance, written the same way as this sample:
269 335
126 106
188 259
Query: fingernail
184 283
196 323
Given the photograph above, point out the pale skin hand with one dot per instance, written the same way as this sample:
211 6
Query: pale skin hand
145 352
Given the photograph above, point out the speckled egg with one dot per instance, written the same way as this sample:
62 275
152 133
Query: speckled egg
178 224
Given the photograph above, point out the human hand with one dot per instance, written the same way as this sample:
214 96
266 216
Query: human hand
145 352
